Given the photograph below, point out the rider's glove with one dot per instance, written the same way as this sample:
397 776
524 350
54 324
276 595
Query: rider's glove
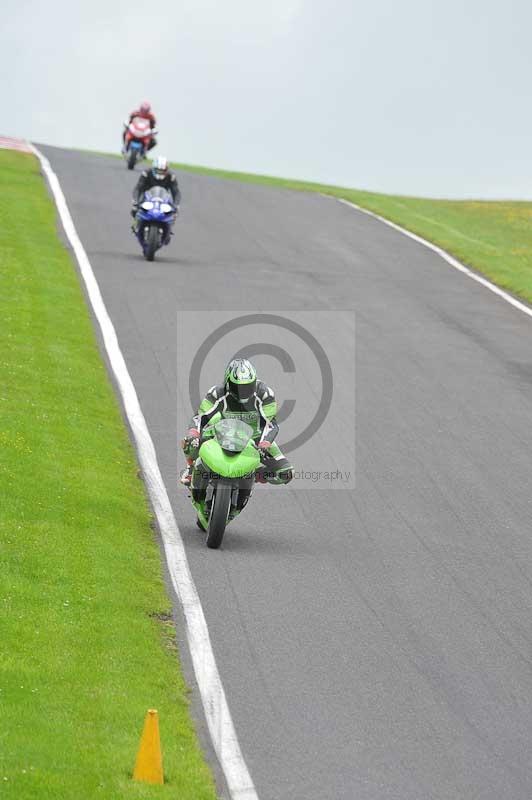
134 209
264 446
191 440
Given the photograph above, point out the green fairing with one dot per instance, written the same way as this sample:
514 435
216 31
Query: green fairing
200 508
229 466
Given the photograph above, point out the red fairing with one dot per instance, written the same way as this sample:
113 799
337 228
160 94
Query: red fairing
139 128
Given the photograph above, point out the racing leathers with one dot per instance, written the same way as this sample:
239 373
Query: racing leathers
147 180
259 412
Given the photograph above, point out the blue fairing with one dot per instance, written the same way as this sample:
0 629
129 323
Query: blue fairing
158 198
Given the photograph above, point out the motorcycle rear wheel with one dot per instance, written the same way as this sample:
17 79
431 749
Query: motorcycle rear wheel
152 243
132 160
221 505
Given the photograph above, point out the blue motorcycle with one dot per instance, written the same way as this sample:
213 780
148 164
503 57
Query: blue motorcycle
154 220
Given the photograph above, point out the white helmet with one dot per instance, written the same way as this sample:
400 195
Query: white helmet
160 167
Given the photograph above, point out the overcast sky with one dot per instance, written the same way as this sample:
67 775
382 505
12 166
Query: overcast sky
429 97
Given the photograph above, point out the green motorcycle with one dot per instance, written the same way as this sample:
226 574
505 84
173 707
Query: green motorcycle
223 475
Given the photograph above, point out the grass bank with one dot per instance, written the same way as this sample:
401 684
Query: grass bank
86 641
492 237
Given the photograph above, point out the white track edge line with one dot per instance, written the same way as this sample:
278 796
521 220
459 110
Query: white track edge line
441 252
220 724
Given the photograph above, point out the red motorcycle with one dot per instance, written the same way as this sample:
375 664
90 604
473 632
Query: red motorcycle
138 137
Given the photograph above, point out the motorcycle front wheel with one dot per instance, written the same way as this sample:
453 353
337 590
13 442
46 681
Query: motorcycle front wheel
221 505
152 243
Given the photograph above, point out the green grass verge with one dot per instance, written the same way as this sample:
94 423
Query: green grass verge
494 238
86 642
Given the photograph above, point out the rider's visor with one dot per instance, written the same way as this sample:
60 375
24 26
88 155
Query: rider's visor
243 391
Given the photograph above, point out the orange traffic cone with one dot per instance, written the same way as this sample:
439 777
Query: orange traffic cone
149 763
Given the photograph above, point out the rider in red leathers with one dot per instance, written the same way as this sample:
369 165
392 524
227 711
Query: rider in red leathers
145 112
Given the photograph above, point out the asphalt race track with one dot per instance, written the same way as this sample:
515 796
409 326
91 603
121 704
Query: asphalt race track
374 643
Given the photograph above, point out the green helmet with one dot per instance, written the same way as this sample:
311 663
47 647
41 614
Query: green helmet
240 379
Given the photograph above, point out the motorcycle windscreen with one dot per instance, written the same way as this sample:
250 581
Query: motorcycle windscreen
232 434
159 193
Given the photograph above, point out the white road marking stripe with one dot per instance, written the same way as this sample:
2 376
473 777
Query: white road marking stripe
219 720
444 254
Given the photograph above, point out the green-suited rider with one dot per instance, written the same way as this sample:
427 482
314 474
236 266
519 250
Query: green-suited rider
241 396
